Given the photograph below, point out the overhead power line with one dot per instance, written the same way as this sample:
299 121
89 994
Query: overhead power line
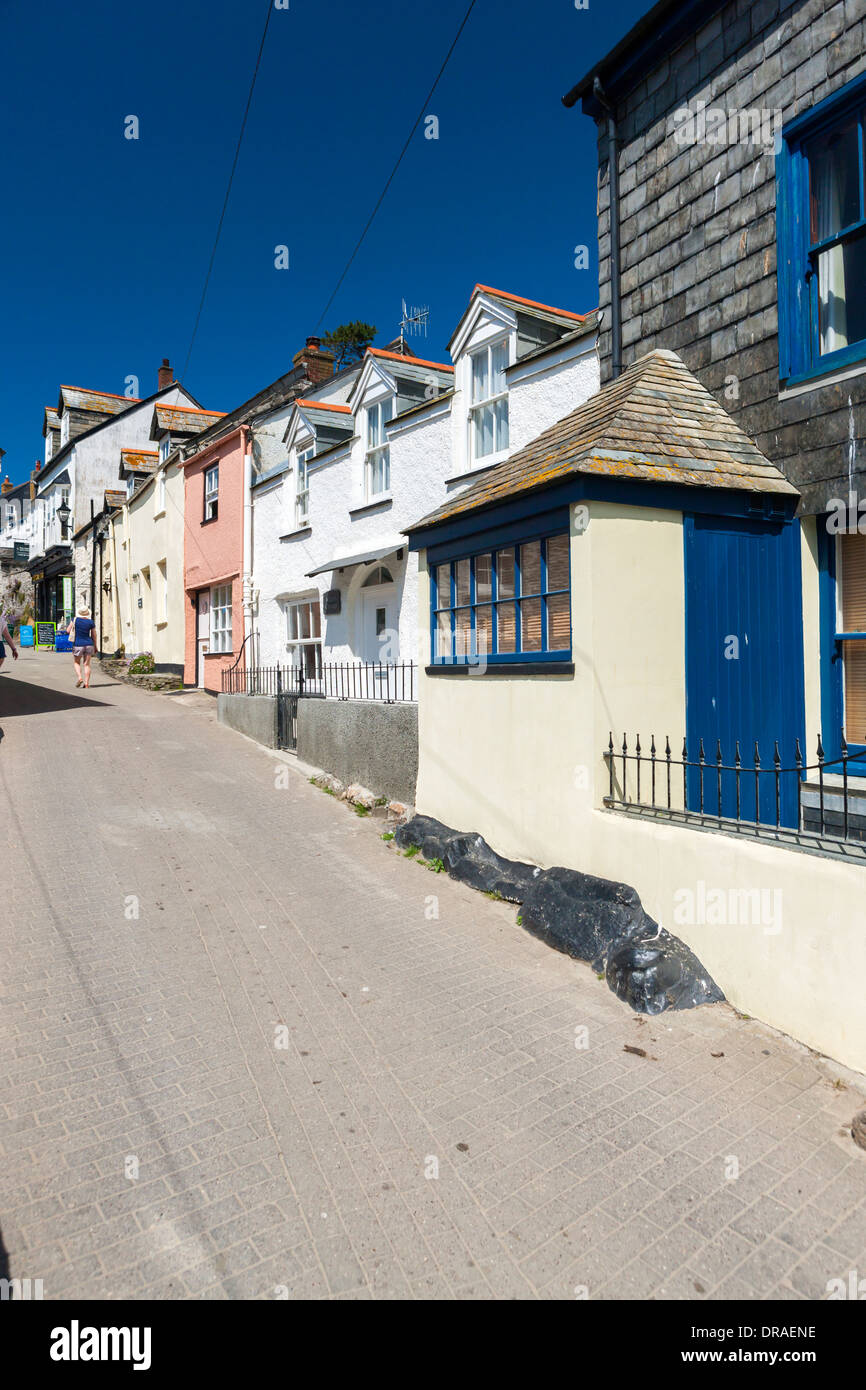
228 190
393 172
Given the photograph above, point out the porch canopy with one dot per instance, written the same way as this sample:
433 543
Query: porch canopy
364 558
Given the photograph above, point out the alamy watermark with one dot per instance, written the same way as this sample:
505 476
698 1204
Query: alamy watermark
716 125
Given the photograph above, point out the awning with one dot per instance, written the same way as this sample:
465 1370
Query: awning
344 561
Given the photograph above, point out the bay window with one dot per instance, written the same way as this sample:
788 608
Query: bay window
503 605
488 411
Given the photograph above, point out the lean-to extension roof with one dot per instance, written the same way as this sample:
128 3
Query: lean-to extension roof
656 423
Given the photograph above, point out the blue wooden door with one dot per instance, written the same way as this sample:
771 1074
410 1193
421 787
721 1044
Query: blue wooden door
744 662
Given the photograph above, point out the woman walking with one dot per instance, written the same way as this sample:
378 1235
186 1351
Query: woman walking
81 630
6 636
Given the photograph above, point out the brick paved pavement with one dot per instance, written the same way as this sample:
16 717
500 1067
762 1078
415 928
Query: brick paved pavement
266 913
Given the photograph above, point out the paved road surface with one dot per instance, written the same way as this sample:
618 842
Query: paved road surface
239 1046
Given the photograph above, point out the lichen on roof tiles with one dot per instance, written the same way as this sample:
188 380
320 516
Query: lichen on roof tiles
654 423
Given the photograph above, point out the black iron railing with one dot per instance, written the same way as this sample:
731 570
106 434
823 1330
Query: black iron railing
389 682
753 792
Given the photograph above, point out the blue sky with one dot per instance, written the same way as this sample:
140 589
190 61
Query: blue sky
104 242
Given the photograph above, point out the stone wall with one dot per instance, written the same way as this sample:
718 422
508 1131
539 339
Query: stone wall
253 715
362 741
698 228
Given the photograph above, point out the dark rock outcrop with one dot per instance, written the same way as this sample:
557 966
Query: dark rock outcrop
431 836
655 971
589 918
580 914
470 859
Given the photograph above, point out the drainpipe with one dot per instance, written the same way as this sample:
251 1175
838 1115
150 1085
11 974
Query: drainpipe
613 177
247 446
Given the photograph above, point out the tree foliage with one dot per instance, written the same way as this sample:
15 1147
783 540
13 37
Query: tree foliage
349 341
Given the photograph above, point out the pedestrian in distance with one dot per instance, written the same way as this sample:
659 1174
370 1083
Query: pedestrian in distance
6 636
82 630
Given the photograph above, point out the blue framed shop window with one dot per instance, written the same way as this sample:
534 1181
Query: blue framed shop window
821 237
842 598
504 604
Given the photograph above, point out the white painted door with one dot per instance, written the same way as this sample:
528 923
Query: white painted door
202 634
380 624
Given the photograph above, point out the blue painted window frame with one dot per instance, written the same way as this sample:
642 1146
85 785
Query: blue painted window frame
800 358
493 546
832 658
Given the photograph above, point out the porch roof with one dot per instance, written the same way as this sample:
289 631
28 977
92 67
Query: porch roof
363 558
656 423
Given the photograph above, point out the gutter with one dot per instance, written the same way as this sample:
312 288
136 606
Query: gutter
613 174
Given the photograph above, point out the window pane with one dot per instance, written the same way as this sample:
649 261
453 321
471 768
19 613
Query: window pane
557 563
443 634
499 361
834 181
530 625
530 568
854 657
462 581
443 586
483 578
853 557
304 620
841 295
463 631
480 376
558 625
483 431
317 619
505 574
483 630
501 413
506 621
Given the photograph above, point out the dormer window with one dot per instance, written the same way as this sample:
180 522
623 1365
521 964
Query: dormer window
377 462
211 492
302 490
488 414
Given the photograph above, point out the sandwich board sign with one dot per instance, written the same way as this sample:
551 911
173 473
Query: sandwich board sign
25 635
45 634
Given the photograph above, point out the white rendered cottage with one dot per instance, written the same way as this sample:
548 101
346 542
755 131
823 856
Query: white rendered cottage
377 446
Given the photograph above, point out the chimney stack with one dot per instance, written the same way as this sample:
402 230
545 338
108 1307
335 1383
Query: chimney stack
7 486
165 376
317 362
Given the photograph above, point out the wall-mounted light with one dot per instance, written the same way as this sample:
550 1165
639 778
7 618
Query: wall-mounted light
63 515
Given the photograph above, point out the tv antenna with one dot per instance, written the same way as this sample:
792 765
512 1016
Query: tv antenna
414 319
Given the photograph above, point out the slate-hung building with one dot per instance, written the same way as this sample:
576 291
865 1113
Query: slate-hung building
370 450
738 240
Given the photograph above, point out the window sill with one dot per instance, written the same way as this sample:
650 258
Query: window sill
208 655
507 668
813 381
386 500
298 531
209 521
470 474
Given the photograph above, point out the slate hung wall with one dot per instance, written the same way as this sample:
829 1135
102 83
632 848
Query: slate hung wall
698 227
